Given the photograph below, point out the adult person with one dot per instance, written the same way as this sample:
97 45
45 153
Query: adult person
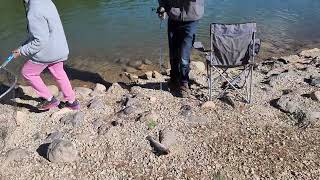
184 16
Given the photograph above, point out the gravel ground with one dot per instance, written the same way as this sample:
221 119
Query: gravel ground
228 140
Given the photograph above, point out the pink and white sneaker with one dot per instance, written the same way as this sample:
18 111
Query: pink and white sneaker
46 105
74 106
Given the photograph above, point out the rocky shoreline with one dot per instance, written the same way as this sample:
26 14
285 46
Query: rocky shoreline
135 131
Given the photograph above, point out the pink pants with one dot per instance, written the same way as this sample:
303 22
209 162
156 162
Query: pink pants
31 72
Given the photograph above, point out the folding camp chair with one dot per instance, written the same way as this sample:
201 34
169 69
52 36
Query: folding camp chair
233 46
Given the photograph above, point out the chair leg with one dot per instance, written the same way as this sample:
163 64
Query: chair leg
250 85
209 72
248 73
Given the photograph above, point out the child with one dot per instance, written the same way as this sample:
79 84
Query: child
46 47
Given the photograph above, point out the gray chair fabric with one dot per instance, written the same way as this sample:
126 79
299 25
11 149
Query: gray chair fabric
231 44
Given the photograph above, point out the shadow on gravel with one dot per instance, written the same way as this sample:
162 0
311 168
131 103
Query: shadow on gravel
21 105
165 87
306 95
18 93
43 149
308 80
86 76
153 86
274 104
227 100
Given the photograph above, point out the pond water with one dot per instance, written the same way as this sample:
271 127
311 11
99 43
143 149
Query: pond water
101 31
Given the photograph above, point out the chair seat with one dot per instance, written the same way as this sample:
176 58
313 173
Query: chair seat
227 65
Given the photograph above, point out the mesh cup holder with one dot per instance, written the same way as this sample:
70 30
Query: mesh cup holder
8 106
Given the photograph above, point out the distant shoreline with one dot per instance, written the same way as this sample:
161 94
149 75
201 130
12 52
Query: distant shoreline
88 77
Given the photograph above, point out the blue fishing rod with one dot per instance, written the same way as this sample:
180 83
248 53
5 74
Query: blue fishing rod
14 82
6 62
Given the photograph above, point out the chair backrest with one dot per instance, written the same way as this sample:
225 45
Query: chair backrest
230 43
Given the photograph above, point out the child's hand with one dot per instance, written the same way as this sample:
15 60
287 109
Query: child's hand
16 53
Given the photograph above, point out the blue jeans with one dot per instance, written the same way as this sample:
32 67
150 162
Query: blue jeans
181 37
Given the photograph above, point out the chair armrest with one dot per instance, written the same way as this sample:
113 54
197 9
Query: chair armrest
199 46
206 50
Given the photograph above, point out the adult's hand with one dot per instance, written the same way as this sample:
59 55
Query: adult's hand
162 13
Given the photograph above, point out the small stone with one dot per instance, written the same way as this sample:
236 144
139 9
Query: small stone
61 112
143 67
15 155
168 137
276 71
148 117
21 118
147 62
36 136
122 60
288 104
156 75
2 144
130 69
75 119
54 90
315 96
148 75
132 77
135 64
128 100
95 103
168 71
152 99
197 120
136 90
115 88
315 81
158 148
60 151
83 91
97 123
208 105
287 91
198 66
99 90
300 67
103 129
313 116
311 53
114 123
60 96
28 91
292 59
186 110
53 136
3 136
129 110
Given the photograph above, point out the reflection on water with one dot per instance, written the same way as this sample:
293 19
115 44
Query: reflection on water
106 30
